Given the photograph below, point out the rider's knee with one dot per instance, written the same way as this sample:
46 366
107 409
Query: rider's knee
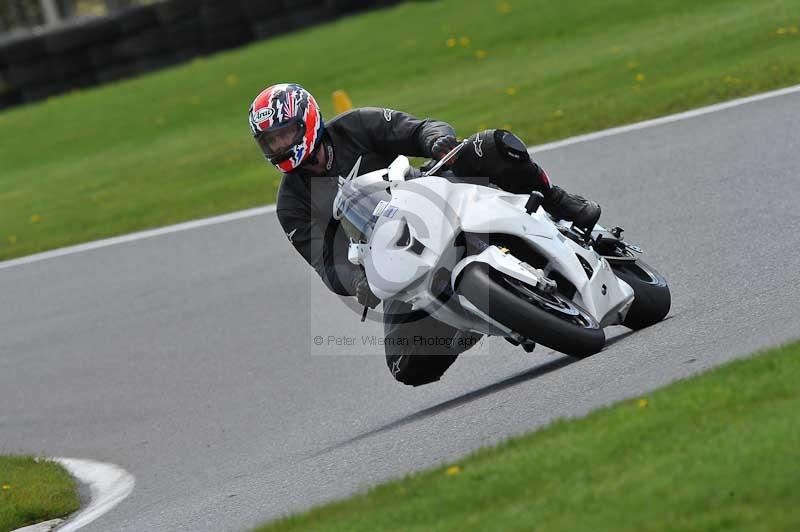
510 146
503 156
496 148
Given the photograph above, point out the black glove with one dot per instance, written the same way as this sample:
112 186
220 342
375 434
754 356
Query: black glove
363 292
442 146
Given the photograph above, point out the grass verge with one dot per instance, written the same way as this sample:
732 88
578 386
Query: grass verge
718 451
34 490
175 145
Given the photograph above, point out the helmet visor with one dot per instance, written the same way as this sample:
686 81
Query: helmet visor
278 141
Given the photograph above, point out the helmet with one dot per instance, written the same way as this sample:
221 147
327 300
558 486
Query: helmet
286 124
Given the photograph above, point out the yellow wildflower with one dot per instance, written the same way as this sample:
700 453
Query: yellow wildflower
504 7
639 77
558 113
793 30
632 65
615 49
453 470
643 403
480 54
35 219
450 42
464 41
12 239
781 31
511 91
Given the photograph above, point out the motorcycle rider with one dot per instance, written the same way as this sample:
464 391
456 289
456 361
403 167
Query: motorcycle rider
287 125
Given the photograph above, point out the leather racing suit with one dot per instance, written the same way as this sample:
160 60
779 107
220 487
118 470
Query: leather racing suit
378 136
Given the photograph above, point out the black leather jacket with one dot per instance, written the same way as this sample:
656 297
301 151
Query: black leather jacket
305 201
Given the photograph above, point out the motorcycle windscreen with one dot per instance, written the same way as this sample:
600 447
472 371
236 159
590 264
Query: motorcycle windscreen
358 207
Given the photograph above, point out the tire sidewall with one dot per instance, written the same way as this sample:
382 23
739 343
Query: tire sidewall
526 319
652 300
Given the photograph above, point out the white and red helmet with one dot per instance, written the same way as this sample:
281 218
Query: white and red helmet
286 124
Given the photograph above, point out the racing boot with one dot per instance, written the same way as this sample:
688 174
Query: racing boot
571 207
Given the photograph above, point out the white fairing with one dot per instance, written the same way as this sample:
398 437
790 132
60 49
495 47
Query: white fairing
414 237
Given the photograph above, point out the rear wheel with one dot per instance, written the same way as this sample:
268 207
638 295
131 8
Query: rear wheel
652 298
549 319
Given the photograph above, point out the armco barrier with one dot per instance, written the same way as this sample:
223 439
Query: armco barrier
93 51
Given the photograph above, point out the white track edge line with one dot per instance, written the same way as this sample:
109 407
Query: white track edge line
271 208
664 119
109 485
137 236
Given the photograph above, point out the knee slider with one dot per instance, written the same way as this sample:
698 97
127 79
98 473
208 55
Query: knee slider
511 146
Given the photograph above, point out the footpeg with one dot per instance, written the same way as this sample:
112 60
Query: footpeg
612 246
527 345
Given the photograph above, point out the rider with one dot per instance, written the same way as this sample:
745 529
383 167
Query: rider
287 125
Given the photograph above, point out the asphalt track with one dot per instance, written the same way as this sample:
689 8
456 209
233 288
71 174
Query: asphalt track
188 358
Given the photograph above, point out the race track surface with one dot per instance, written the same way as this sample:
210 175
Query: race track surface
188 358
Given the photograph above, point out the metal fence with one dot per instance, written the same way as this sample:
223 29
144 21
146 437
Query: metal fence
119 40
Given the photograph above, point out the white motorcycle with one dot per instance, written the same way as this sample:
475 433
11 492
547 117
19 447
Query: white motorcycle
491 262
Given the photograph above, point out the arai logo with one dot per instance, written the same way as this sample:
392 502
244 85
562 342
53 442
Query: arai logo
263 114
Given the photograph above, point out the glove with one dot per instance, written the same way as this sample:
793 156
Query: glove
442 146
363 292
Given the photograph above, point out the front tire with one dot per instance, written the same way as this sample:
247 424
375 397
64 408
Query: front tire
549 319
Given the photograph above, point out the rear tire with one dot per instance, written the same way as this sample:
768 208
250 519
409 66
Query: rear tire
549 319
652 298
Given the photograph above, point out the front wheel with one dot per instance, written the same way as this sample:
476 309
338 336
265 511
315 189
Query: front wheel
651 297
549 319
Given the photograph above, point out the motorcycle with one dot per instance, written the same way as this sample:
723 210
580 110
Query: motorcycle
488 261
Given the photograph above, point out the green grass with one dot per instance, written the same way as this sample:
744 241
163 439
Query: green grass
175 145
34 490
720 451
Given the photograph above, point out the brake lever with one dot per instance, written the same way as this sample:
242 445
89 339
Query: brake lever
449 155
